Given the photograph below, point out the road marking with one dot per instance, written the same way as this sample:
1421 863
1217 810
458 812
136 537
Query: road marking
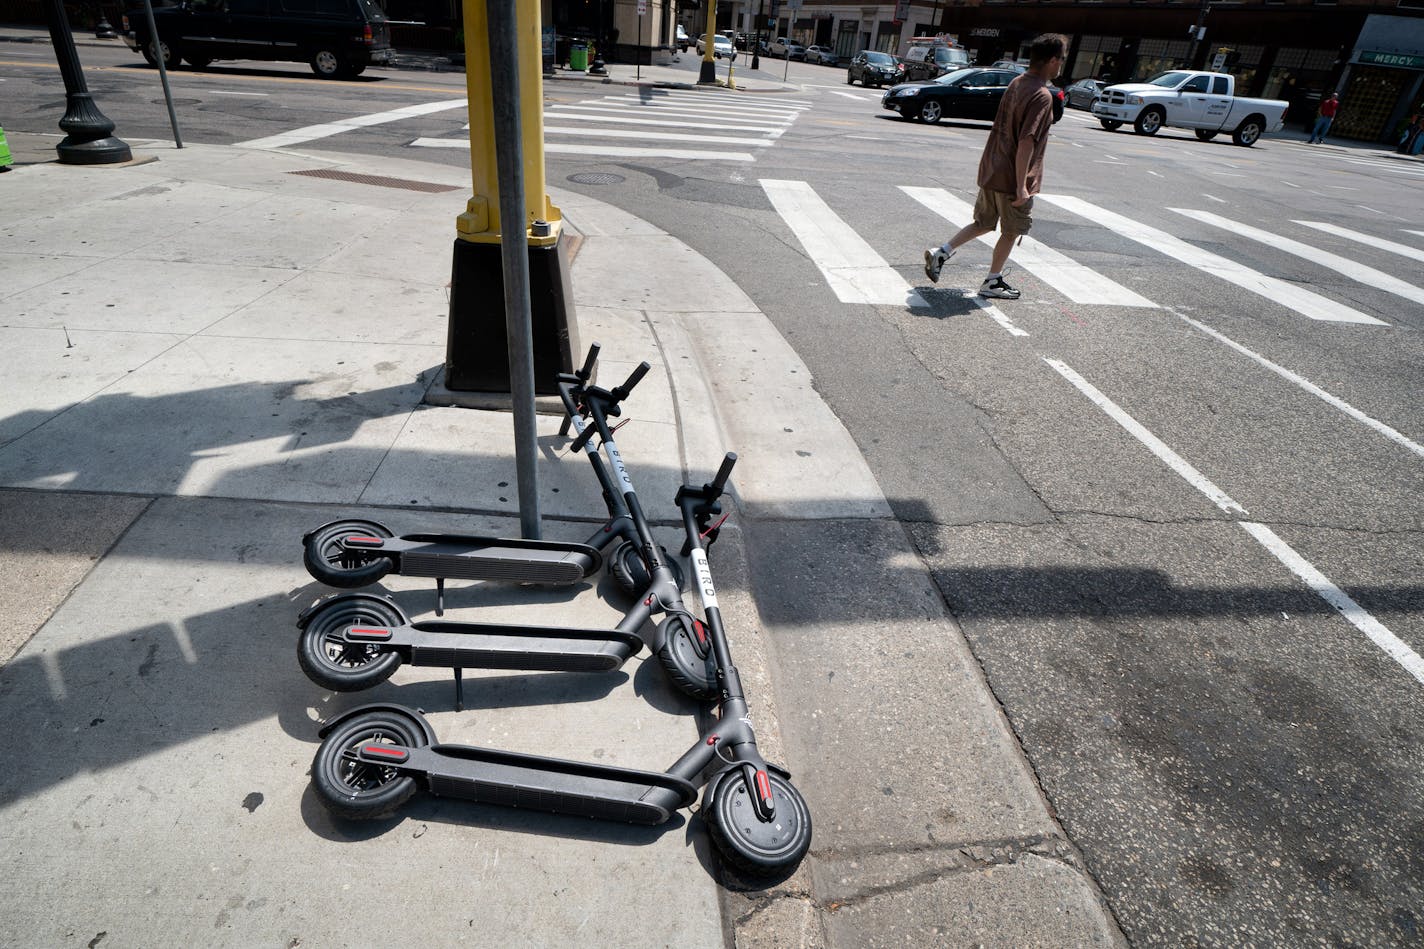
1371 210
852 95
772 124
1291 184
1350 268
633 102
1075 281
614 151
1403 250
1151 172
1408 231
852 268
996 314
693 101
312 132
1214 198
619 120
224 92
1356 615
1307 304
1154 444
658 136
1385 430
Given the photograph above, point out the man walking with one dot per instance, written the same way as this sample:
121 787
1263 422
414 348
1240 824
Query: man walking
1011 168
1328 108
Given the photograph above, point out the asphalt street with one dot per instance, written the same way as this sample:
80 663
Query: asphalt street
1173 496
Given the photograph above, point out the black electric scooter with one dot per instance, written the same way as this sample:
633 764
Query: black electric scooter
354 641
373 758
355 552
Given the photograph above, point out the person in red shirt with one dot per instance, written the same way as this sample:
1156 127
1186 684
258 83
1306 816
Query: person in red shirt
1328 108
1011 168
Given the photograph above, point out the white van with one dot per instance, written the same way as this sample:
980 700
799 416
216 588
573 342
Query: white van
928 57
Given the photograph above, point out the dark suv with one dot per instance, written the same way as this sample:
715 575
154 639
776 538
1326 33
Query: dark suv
339 38
874 68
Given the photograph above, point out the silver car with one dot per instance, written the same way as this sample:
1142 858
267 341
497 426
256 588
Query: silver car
1084 92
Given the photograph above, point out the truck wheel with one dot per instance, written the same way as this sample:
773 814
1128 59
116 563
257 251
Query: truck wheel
169 54
1205 135
1247 132
1112 125
1149 122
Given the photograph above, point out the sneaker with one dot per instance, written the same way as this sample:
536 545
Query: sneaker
995 287
935 258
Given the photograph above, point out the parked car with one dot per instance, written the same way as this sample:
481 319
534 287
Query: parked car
721 46
820 54
683 40
963 94
787 49
1084 92
339 38
874 68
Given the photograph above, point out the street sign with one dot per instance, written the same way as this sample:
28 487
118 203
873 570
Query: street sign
1218 61
642 7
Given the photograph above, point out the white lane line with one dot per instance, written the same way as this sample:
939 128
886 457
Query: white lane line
658 136
614 151
1075 281
1408 231
1354 413
1390 167
1378 633
852 95
221 92
1369 209
736 97
619 120
326 129
1291 184
852 268
630 111
1214 198
1154 444
1350 268
997 315
1151 172
1302 301
1404 250
1356 615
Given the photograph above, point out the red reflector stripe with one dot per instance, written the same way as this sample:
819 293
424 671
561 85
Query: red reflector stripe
381 751
370 541
763 786
368 632
700 630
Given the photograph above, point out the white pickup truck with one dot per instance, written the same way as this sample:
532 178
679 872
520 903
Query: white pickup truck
1203 101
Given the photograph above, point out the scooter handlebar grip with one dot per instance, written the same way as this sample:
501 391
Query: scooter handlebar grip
621 392
586 372
723 473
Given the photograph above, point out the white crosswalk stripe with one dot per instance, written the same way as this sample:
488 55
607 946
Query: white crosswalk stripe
670 124
1402 249
1350 268
852 268
1305 302
1072 279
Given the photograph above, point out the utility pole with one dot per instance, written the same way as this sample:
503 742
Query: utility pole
1198 32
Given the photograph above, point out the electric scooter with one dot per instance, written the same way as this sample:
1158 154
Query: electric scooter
355 552
354 641
374 758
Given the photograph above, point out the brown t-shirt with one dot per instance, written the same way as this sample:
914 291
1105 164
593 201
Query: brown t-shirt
1025 112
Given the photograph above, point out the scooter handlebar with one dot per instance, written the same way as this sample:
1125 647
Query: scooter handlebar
719 483
621 392
586 373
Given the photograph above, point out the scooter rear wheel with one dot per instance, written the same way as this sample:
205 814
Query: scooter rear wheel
631 572
363 790
693 672
326 560
340 666
754 846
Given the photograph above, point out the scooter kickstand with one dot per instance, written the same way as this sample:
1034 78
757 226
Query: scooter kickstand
459 689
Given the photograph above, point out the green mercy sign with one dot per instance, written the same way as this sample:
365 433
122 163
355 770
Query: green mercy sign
1403 60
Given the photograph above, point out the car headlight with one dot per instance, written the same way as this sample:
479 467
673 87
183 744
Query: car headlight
1134 100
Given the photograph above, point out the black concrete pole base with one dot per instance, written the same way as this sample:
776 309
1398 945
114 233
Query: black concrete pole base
477 350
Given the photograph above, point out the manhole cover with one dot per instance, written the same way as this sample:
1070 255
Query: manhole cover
596 178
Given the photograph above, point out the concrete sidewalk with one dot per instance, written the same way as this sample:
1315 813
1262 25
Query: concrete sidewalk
206 352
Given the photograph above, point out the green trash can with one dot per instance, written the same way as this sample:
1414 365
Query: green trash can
578 57
5 159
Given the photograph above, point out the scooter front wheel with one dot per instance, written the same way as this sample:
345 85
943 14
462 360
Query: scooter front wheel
326 560
331 662
752 845
632 573
687 657
356 789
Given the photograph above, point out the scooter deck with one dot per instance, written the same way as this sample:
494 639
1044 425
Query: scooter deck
555 785
460 557
500 646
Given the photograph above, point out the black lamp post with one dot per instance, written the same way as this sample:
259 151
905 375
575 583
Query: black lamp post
89 139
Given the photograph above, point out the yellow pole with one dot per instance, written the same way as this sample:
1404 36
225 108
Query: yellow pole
708 75
481 223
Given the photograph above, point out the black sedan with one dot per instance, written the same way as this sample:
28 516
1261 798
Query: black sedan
874 68
962 94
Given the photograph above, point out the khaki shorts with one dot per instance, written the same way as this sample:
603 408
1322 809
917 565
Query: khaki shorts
992 206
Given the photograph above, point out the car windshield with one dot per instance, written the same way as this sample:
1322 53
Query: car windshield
881 58
1168 80
950 78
